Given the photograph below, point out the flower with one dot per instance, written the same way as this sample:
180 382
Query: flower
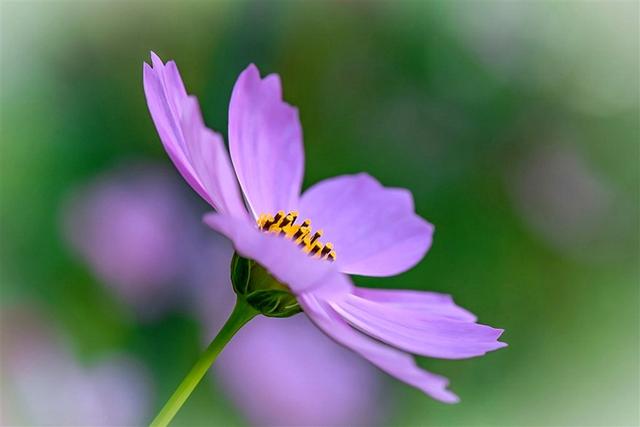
373 230
565 202
133 228
301 378
45 384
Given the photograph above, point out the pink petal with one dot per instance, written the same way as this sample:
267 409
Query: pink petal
423 333
281 257
197 152
428 302
265 140
394 362
374 229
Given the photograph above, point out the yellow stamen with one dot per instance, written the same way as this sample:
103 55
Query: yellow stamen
300 234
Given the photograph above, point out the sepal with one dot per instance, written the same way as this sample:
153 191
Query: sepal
261 290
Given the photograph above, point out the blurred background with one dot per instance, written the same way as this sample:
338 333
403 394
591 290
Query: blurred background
514 124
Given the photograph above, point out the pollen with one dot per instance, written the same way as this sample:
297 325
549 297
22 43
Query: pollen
301 234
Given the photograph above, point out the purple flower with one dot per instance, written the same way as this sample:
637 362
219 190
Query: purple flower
373 229
129 225
44 384
300 378
564 201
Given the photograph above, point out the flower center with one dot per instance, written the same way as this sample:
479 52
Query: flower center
300 234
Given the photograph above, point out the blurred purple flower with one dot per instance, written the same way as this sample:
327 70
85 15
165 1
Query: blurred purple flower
284 372
375 229
562 200
43 384
134 229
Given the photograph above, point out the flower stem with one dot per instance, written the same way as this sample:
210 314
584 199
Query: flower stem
242 313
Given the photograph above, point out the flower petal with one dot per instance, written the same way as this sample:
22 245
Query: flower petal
421 301
424 333
281 257
265 140
394 362
197 152
374 229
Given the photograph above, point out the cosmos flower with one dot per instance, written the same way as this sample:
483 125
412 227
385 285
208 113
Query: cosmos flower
368 229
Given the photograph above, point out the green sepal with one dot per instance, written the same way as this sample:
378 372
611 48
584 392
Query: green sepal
261 290
240 273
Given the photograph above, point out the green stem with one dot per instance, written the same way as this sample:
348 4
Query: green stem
241 314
